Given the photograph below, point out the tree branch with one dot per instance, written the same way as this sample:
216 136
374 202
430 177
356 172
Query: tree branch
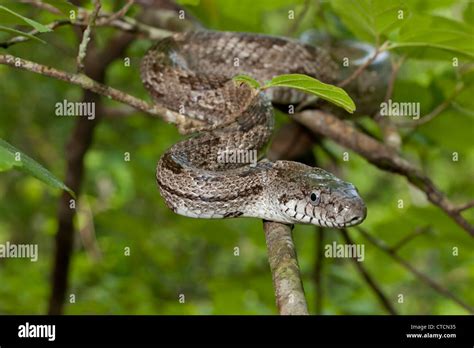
360 69
424 278
120 13
369 280
89 84
409 237
390 133
127 24
286 276
381 156
436 111
86 36
466 206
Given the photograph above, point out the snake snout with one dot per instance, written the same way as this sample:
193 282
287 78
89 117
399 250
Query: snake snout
355 211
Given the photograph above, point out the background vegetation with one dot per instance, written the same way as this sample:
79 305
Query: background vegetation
120 205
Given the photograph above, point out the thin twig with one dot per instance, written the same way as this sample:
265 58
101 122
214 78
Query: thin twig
436 111
369 279
419 231
120 13
424 278
131 25
126 24
393 77
87 83
86 36
297 21
360 69
19 39
466 206
286 275
390 131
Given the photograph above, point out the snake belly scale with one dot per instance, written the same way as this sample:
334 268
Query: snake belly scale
191 73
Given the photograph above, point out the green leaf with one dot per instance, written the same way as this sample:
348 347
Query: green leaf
11 158
311 85
468 14
38 26
21 33
62 5
370 19
242 15
425 36
247 79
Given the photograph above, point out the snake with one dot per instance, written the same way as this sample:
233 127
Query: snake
191 75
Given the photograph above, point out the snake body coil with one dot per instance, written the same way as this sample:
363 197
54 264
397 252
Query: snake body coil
191 74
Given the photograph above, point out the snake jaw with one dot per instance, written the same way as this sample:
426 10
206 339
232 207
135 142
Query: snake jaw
301 212
323 200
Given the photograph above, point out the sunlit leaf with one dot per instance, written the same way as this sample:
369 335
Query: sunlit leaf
313 86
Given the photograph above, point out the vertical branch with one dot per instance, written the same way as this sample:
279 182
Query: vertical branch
76 149
291 142
86 37
286 276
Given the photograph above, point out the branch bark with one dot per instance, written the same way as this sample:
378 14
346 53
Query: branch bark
286 276
92 85
381 156
86 36
126 24
292 142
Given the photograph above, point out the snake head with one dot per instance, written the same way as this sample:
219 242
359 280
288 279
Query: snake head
317 197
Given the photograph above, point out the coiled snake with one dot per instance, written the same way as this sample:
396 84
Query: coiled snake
191 74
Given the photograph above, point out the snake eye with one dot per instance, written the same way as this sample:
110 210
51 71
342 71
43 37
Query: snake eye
315 198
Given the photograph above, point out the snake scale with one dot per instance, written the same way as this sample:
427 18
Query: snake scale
191 74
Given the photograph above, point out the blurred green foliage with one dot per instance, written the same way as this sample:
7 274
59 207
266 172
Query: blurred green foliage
172 255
